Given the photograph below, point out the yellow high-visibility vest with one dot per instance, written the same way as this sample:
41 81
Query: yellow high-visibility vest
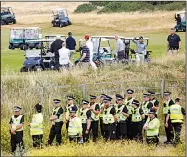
153 125
120 116
55 111
101 107
153 102
16 121
144 107
166 108
176 115
128 103
136 116
93 115
83 115
107 117
37 124
75 127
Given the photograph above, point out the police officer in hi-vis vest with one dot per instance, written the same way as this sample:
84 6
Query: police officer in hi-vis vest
85 116
128 103
16 129
169 130
70 104
57 123
109 119
175 113
137 117
95 110
154 101
36 126
102 96
152 126
146 106
122 114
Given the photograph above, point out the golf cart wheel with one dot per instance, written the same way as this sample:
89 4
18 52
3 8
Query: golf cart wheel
10 47
21 47
176 30
14 22
3 22
38 68
25 47
23 69
69 23
37 46
184 29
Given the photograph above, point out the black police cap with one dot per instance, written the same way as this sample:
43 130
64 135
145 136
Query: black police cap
119 97
73 109
93 97
152 111
146 95
130 91
56 101
103 95
167 93
85 102
107 98
136 102
70 97
151 92
17 108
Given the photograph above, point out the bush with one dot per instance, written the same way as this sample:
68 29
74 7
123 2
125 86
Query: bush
83 8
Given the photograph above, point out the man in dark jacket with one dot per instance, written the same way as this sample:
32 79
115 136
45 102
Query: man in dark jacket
55 46
71 44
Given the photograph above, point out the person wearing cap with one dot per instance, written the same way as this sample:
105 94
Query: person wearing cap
85 115
75 126
71 45
152 126
154 101
95 110
168 130
109 119
137 117
176 113
101 105
122 114
146 105
128 102
57 123
140 50
16 129
89 44
120 48
70 104
64 57
85 55
36 126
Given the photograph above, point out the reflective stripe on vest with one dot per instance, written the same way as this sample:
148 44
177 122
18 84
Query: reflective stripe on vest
16 122
136 116
120 116
37 121
93 115
154 127
128 103
153 102
83 115
55 111
101 107
166 108
144 107
74 126
107 117
67 111
176 114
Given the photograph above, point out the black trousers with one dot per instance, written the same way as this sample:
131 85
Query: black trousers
37 140
85 136
94 128
152 140
137 131
177 131
109 131
67 125
129 128
169 131
145 119
101 126
56 131
121 130
17 139
57 61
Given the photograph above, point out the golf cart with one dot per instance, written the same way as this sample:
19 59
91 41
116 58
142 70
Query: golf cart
38 59
7 16
19 35
53 37
60 18
182 26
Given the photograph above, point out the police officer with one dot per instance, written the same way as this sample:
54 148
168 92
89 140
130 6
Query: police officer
57 123
175 113
36 126
16 129
169 130
109 119
122 114
146 106
137 117
152 126
102 96
128 103
75 126
95 110
154 101
85 115
70 104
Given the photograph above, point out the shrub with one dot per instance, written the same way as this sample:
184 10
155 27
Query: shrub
83 8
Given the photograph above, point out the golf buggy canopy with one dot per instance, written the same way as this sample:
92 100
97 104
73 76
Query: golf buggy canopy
182 15
60 11
6 11
7 16
53 37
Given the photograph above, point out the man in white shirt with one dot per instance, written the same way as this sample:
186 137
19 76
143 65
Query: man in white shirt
89 44
64 56
120 48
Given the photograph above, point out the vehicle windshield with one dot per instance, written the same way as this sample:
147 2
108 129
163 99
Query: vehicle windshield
16 34
5 11
183 17
31 34
32 53
95 45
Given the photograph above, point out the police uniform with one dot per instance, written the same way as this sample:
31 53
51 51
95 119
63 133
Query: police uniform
121 129
75 127
137 121
146 106
169 129
95 118
57 125
101 114
17 136
155 102
128 102
67 110
109 125
85 115
36 127
176 113
153 125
